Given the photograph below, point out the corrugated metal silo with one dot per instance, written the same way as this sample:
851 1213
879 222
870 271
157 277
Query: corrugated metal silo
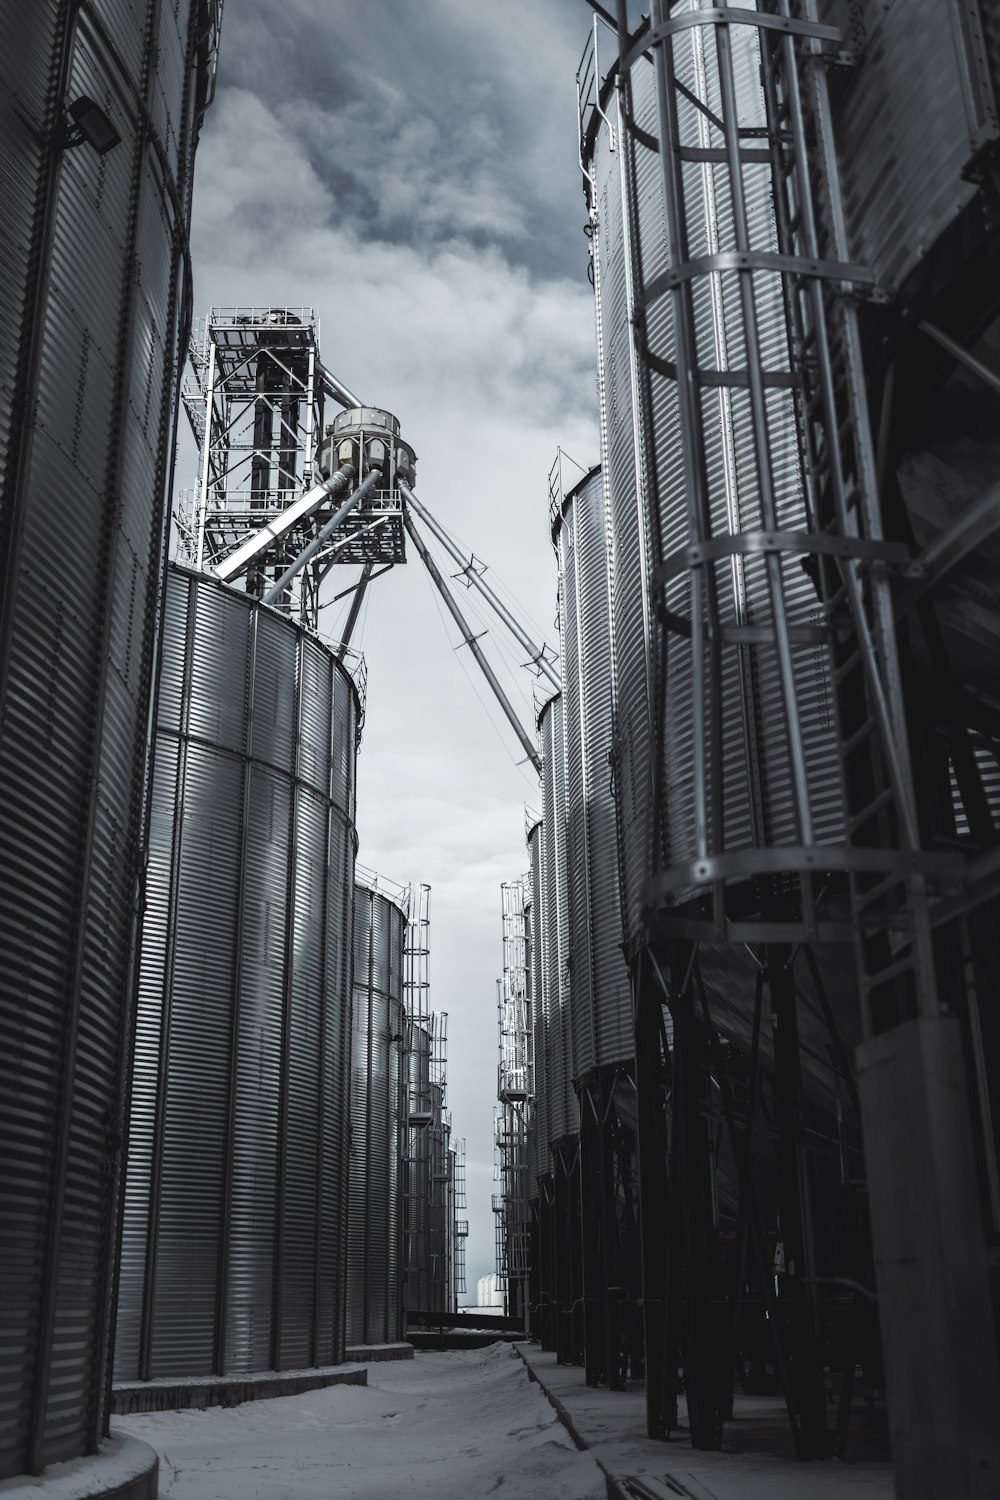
754 801
374 1252
95 310
598 980
599 987
234 1245
563 1108
536 941
416 1218
564 1119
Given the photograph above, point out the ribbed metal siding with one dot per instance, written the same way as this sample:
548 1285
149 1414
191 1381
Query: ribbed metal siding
902 128
562 1105
757 786
599 990
233 1253
90 314
374 1271
628 527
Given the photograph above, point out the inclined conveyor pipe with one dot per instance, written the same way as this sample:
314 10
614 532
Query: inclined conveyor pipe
467 564
237 562
323 536
470 639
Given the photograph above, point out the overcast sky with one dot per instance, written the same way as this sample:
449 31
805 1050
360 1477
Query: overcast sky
410 171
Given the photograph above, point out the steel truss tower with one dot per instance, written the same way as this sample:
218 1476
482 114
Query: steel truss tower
256 405
784 846
515 1092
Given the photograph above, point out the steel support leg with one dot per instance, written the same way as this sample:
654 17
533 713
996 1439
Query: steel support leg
798 1297
651 1078
695 1230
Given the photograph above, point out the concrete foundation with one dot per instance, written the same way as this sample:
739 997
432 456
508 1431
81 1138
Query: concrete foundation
124 1469
373 1353
131 1396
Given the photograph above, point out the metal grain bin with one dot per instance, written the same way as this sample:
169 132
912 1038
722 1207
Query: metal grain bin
94 314
746 728
374 1245
600 999
416 1207
234 1246
539 1129
563 1114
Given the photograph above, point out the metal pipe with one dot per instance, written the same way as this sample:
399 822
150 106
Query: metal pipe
338 390
473 644
307 553
962 355
536 652
260 539
352 618
955 542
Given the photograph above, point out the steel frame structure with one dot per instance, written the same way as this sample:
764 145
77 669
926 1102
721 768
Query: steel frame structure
515 1092
768 915
256 406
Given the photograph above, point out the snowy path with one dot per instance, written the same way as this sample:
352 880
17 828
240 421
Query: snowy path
452 1426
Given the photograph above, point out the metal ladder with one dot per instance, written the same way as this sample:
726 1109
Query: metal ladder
888 875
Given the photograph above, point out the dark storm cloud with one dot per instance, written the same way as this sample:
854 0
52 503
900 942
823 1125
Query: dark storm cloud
433 121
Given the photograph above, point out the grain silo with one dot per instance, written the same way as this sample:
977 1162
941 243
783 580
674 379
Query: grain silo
600 998
542 1194
429 1199
101 107
378 1115
776 244
563 1122
234 1248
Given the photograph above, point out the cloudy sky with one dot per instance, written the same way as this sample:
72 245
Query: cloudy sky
409 169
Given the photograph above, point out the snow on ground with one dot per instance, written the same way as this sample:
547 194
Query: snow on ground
452 1426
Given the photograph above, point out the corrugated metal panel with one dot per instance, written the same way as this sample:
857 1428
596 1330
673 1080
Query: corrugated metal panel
902 130
600 995
562 1104
238 1191
374 1272
87 375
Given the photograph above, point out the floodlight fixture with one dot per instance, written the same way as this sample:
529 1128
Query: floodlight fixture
92 125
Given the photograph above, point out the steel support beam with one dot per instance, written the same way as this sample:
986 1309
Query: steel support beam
473 644
535 651
652 1064
300 510
321 538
